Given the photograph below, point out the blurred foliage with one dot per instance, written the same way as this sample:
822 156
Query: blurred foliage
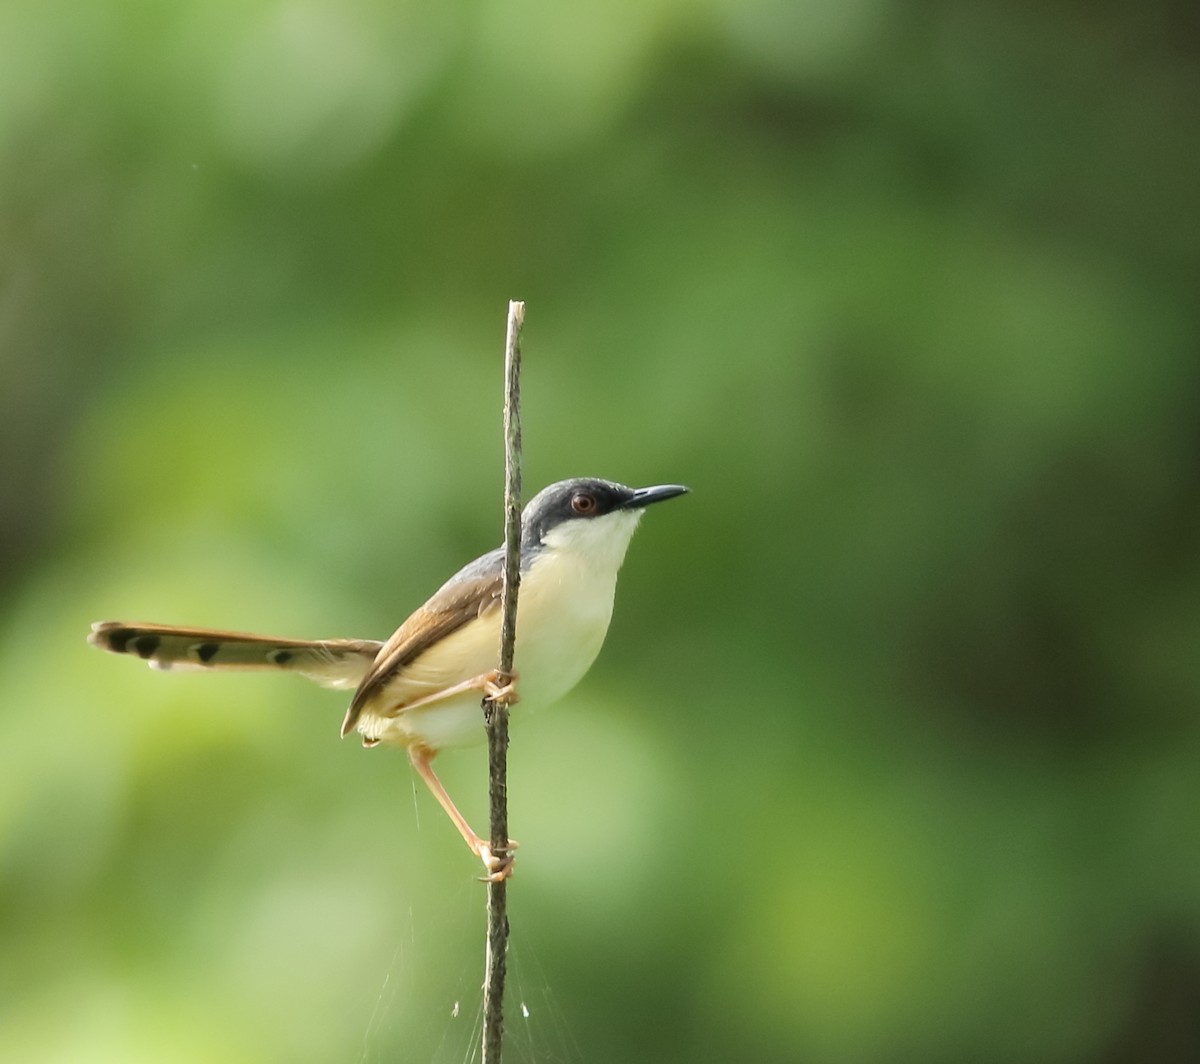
892 753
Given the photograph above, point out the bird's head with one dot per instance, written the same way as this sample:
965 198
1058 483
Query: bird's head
590 516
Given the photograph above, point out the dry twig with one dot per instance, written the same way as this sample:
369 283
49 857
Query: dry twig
496 710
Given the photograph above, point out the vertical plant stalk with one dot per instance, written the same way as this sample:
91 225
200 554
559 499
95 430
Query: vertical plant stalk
495 711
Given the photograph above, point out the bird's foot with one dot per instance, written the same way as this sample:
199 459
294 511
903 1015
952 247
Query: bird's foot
498 865
502 687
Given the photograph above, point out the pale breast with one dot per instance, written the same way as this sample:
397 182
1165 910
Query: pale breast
563 613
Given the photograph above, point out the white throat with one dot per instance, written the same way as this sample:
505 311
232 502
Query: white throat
600 542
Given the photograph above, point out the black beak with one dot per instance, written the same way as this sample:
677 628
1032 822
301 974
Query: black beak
645 496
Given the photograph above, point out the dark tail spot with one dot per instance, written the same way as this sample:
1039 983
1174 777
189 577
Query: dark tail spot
205 651
280 657
118 639
146 645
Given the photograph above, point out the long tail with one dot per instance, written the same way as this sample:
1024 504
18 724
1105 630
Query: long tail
340 663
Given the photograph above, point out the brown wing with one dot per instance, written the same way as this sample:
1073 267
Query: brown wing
472 593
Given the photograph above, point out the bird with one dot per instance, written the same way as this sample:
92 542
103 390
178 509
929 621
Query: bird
421 689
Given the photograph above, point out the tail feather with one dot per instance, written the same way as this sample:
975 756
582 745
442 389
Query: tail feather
340 663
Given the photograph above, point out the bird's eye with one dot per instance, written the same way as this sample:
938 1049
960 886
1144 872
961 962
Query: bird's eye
584 503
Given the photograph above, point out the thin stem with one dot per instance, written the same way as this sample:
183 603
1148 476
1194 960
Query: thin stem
495 711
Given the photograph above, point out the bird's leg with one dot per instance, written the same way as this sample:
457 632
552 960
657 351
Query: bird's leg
498 866
495 685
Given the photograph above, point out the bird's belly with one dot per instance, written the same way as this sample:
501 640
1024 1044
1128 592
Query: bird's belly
561 625
554 652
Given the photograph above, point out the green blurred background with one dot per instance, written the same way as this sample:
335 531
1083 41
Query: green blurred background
892 752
